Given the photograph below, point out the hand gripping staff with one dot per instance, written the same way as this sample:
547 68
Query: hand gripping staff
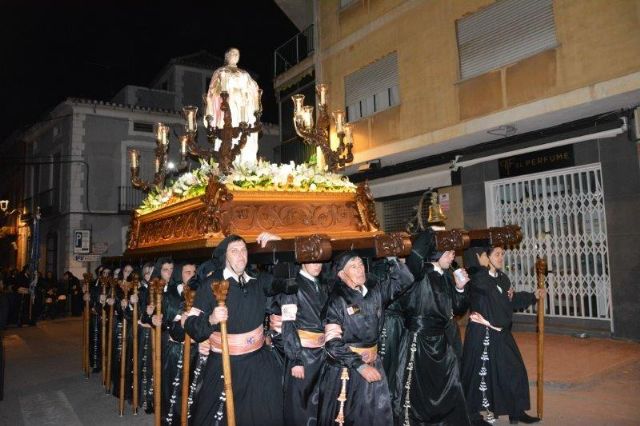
126 287
220 290
157 286
189 296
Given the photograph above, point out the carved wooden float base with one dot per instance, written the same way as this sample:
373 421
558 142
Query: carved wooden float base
203 222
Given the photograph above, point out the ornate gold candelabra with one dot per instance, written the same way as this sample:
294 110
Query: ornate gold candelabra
319 135
224 156
161 164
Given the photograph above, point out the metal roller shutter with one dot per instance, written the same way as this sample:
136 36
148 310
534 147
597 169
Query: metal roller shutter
504 33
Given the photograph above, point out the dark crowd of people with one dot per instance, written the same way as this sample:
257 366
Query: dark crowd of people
31 297
354 341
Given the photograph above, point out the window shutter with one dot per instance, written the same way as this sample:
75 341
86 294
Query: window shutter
503 33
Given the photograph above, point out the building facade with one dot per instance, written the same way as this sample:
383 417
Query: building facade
72 167
517 111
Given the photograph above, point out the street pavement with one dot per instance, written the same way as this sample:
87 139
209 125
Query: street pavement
587 381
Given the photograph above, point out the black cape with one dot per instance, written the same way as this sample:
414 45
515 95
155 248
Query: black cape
360 318
435 391
507 384
257 377
301 396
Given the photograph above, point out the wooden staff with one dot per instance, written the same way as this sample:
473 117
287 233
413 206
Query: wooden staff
125 286
85 367
158 287
110 344
152 301
189 296
84 341
541 270
134 326
220 290
103 335
85 321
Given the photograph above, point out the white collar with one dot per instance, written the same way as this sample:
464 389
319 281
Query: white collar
437 268
493 274
180 288
307 275
227 273
365 290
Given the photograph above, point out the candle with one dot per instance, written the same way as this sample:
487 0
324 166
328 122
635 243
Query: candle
157 165
183 144
298 103
165 135
348 137
321 90
307 116
338 117
259 100
243 114
159 131
134 158
190 115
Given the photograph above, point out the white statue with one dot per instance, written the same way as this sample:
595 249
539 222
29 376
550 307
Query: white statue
244 100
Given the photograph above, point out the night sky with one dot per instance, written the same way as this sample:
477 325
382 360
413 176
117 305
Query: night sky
54 50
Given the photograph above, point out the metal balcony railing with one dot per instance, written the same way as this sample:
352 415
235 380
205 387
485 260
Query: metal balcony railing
129 199
293 51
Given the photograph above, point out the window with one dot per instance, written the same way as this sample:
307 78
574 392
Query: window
504 33
142 127
164 85
373 88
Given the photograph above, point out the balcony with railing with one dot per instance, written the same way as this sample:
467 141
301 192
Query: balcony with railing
129 199
293 51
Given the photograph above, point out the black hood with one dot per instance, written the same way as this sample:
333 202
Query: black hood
219 256
158 266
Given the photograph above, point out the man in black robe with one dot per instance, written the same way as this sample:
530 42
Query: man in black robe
428 390
173 353
145 354
75 291
353 319
493 372
303 341
256 374
97 305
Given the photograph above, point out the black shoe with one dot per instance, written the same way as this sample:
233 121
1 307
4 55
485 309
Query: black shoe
523 418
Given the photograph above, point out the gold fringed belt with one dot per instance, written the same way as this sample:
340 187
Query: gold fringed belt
368 355
311 339
239 344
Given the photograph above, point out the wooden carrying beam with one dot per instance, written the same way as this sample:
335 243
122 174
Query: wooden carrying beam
502 236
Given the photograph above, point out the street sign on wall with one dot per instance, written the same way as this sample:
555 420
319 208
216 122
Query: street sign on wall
87 257
81 241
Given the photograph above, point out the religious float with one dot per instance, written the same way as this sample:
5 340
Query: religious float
315 210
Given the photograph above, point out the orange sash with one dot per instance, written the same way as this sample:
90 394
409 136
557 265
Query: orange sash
239 344
369 355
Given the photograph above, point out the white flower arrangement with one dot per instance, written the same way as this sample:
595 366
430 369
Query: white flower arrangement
258 176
